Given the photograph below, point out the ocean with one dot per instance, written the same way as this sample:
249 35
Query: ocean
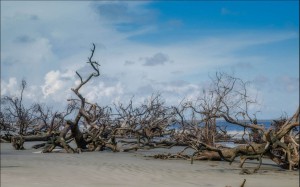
231 129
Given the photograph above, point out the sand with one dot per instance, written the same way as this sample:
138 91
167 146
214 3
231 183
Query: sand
28 169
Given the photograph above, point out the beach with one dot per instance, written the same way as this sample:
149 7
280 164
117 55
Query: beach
29 168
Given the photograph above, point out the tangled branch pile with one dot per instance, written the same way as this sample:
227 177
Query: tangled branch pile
152 124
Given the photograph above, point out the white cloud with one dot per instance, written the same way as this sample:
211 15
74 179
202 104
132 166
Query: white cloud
9 87
49 41
156 59
28 52
12 88
102 93
52 83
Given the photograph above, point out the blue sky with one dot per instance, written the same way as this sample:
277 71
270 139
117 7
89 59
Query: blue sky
151 46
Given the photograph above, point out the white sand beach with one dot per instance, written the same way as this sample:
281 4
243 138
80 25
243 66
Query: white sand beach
28 169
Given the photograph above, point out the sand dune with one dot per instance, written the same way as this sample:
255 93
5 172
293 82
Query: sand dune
24 168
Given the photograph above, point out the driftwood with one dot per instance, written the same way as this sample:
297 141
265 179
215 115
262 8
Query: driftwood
152 125
256 151
18 141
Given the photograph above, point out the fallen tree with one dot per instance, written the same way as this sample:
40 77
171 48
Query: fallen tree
152 124
228 99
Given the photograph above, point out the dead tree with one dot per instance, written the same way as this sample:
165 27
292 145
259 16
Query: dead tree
16 117
47 121
21 115
7 127
147 123
153 124
52 121
73 125
228 99
99 133
231 103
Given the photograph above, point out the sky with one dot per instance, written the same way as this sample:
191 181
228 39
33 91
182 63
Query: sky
147 47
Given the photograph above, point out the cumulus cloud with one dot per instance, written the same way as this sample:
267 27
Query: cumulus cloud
9 87
156 59
49 48
102 93
57 84
173 91
12 88
179 87
52 83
